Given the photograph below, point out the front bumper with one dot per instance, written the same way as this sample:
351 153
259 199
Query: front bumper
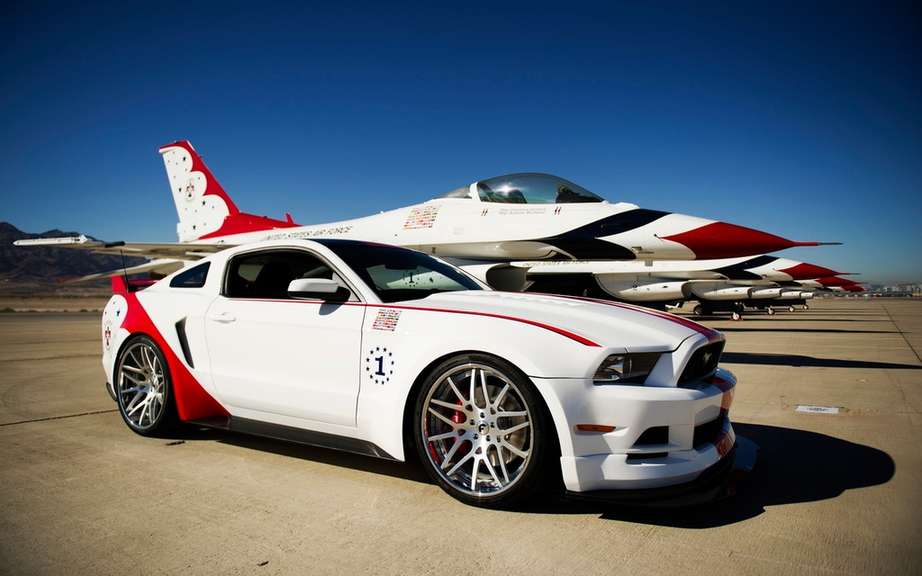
664 436
710 485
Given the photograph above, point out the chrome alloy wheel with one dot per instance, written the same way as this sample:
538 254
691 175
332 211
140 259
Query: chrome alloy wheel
140 385
477 429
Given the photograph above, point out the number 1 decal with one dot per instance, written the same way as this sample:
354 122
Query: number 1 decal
380 364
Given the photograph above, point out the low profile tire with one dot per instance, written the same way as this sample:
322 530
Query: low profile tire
482 432
143 388
698 310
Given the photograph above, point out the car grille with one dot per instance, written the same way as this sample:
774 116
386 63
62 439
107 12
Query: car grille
703 362
708 432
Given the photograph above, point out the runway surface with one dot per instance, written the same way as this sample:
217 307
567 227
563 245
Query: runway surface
81 494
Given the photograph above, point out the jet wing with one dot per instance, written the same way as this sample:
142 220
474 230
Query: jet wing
153 250
161 266
664 269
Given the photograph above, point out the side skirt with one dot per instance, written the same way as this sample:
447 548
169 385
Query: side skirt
296 435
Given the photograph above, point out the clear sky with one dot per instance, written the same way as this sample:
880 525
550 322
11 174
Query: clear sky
801 119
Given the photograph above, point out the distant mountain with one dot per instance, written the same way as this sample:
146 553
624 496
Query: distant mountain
29 265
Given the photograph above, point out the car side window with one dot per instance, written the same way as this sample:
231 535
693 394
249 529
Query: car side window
268 274
192 278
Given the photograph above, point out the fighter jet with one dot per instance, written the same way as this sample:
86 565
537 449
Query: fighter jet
485 227
726 285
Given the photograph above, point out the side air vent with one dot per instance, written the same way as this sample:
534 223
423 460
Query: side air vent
184 342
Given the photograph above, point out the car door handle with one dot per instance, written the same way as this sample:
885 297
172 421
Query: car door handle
223 317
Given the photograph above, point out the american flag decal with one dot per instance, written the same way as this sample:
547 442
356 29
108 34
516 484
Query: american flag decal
386 319
421 217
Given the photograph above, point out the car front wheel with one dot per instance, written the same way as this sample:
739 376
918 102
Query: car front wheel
482 432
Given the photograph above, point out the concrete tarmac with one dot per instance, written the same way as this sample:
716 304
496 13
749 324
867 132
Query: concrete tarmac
81 494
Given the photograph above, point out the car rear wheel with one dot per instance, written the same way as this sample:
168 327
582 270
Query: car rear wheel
482 432
143 388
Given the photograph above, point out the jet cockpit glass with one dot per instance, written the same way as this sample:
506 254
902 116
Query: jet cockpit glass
533 189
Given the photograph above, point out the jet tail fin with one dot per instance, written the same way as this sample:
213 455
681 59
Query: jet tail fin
205 210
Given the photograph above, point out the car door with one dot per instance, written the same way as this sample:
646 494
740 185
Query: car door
272 354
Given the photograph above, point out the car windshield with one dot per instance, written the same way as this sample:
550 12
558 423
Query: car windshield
533 189
397 274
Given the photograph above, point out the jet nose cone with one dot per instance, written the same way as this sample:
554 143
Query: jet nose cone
805 271
722 240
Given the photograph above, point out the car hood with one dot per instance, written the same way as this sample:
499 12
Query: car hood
611 324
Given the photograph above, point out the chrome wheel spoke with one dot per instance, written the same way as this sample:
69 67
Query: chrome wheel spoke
491 470
132 369
502 462
441 417
451 453
460 462
474 473
511 414
138 405
500 396
131 405
444 404
473 387
132 379
444 436
513 449
454 389
515 428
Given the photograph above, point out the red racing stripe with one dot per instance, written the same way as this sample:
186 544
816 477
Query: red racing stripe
712 335
566 333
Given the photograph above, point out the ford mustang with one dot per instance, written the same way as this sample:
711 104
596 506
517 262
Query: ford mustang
387 351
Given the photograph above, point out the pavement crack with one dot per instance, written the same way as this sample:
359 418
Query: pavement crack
47 418
900 330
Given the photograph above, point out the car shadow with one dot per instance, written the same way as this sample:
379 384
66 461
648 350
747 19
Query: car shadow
793 466
794 318
808 361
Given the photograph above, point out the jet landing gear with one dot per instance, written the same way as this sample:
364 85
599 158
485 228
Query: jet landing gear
735 309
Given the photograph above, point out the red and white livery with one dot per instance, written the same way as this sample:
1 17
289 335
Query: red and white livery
383 350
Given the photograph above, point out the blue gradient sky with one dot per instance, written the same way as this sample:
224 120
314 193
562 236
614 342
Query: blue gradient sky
800 119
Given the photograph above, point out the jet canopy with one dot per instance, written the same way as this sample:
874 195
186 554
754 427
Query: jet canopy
526 188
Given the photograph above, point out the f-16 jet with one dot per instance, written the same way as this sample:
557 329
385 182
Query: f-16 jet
724 285
484 227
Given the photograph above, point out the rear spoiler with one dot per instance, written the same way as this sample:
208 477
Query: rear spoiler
122 285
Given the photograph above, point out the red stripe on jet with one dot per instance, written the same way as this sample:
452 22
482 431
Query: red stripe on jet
722 240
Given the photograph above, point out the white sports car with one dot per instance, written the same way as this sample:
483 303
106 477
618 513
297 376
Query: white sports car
382 350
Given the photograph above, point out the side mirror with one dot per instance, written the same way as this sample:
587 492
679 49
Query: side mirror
320 288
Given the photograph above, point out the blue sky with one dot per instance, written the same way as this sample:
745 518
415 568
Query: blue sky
801 119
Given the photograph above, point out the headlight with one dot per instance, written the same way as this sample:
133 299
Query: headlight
626 368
